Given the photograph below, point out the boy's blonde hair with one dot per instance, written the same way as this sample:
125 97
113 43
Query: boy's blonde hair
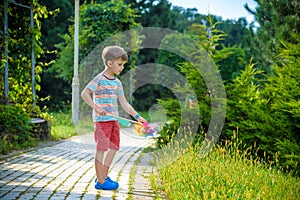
114 53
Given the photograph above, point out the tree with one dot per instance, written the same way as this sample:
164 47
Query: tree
207 39
278 20
162 15
268 114
98 22
283 96
159 10
53 27
238 41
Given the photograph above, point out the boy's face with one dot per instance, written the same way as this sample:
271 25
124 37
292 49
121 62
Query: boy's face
116 66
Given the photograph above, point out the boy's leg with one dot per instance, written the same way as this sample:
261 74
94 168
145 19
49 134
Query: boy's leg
114 145
102 134
107 161
99 157
107 136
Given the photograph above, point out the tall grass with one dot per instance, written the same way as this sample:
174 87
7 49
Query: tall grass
226 173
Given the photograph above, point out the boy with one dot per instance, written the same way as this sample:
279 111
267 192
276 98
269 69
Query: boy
107 90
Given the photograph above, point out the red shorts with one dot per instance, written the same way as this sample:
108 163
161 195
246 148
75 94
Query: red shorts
107 135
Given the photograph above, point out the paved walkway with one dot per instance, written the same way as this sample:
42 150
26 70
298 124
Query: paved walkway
66 171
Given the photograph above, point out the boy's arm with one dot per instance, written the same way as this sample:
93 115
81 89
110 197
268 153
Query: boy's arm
86 96
129 109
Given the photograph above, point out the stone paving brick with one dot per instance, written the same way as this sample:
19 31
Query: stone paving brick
66 171
141 186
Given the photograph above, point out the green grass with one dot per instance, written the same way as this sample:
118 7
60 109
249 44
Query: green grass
226 173
62 126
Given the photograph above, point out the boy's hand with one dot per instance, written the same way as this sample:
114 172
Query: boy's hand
141 119
99 110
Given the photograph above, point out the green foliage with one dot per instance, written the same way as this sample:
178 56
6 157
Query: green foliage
53 28
196 82
238 32
268 114
265 109
59 38
225 48
231 66
19 55
283 95
170 128
278 20
97 23
15 129
155 9
243 99
226 173
240 44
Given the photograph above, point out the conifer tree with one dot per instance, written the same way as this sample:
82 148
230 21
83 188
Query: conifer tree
278 20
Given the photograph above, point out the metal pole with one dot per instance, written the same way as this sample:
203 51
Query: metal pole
32 59
6 87
130 83
75 82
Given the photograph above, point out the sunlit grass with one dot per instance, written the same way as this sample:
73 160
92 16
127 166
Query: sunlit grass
62 126
226 173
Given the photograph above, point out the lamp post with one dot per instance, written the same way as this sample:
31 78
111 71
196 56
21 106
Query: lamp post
6 53
6 50
75 81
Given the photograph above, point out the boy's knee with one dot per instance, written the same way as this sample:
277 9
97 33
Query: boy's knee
99 155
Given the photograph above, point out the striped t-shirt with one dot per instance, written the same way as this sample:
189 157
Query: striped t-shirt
105 93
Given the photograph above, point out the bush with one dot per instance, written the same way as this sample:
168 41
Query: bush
16 130
180 119
268 112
